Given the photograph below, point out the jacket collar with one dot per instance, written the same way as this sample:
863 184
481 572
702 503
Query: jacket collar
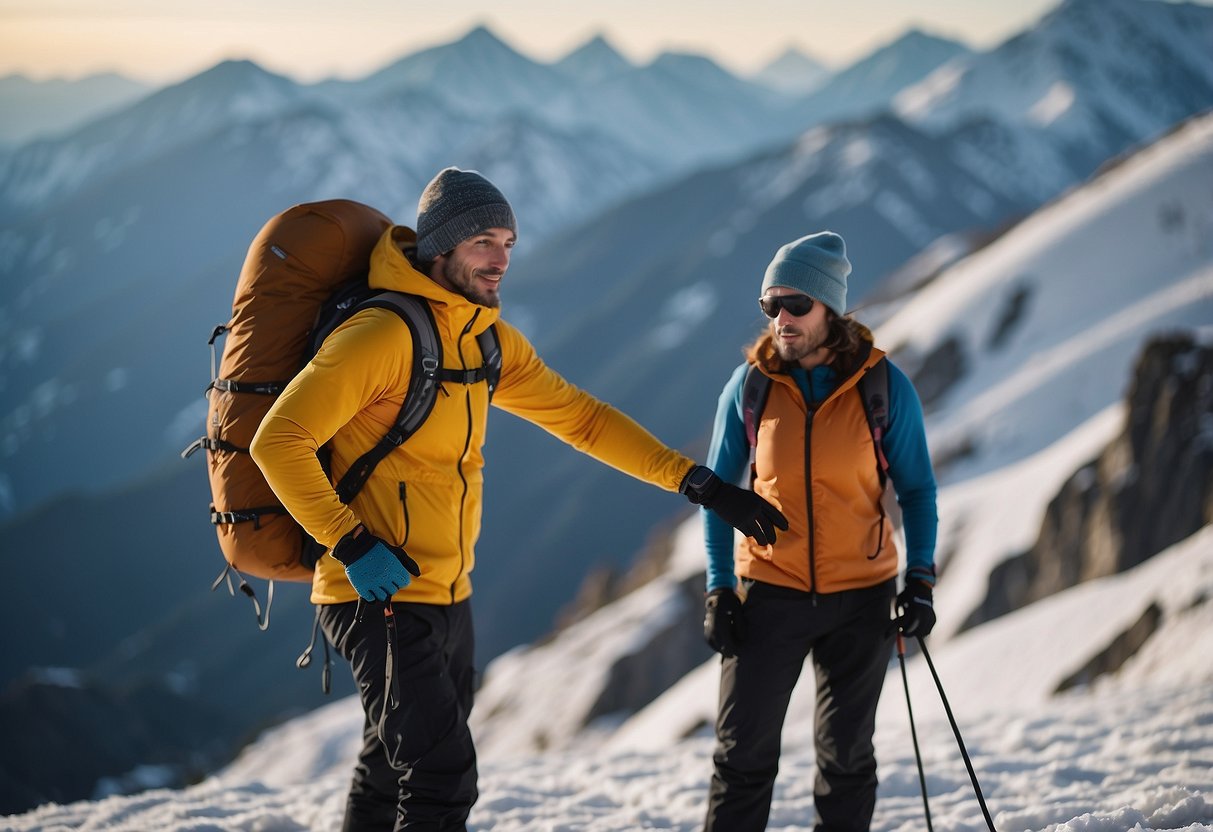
764 356
391 270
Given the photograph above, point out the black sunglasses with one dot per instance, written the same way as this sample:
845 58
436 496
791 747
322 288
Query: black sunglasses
795 304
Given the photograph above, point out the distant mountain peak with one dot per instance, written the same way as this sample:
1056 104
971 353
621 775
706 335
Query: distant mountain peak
482 35
236 70
793 71
236 78
593 60
686 62
597 45
919 38
459 68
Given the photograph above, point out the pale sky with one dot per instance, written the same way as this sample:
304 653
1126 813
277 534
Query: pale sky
166 40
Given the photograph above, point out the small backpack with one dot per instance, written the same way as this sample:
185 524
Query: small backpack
304 275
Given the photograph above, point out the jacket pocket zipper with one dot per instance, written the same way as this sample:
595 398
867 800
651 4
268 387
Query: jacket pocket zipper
404 506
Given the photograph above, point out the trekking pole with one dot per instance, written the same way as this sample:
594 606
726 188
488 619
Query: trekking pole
955 730
905 681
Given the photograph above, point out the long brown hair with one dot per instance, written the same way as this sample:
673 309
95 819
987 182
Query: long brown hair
848 341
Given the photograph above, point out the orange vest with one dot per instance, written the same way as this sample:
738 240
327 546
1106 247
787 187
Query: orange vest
837 537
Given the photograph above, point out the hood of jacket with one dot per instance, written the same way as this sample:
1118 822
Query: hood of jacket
393 271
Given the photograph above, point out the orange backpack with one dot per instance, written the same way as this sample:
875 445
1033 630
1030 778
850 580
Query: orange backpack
296 262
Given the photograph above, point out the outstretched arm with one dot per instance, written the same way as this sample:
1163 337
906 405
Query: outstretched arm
533 391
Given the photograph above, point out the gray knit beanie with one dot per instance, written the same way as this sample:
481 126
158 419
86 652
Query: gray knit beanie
816 265
456 205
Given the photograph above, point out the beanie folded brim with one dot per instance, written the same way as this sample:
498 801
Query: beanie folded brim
473 221
812 281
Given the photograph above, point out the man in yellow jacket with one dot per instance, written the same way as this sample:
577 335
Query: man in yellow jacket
410 533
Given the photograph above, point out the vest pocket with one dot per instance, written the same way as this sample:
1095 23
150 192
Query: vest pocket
880 524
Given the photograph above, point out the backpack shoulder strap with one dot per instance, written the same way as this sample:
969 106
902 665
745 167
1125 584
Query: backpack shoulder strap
874 389
490 348
426 376
423 385
754 392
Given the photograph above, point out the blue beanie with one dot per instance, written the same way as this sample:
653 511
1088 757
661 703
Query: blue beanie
458 204
816 265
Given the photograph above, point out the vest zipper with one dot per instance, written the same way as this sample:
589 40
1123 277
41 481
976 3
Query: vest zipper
467 443
810 411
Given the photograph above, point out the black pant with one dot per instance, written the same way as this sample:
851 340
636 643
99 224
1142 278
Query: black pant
417 767
850 637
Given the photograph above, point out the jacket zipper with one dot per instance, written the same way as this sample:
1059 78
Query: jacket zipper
467 443
810 411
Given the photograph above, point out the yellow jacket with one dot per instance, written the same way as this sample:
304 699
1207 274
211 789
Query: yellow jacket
425 495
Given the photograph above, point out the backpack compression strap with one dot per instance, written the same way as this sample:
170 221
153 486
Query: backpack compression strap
227 385
427 374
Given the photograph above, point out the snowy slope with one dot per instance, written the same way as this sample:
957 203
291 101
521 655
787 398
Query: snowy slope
1055 310
1129 753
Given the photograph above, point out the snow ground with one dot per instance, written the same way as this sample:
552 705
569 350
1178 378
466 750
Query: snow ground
1131 752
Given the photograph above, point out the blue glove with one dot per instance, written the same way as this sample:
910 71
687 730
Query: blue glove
376 569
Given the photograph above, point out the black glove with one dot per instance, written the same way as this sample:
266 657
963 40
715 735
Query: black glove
724 626
739 507
375 568
915 603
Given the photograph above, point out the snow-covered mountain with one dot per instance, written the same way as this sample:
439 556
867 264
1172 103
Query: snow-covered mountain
593 61
793 72
869 85
109 288
478 73
39 108
128 227
37 176
681 109
1089 73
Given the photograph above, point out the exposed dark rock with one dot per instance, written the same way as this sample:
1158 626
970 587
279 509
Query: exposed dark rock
1119 650
938 370
1015 304
670 653
1150 488
638 678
